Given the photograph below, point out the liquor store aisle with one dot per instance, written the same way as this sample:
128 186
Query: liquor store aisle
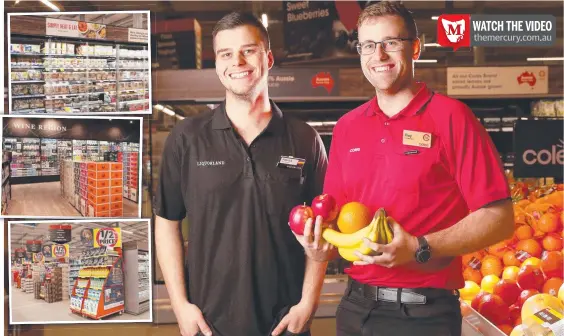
45 199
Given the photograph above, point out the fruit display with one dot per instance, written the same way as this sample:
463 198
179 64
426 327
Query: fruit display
354 223
517 284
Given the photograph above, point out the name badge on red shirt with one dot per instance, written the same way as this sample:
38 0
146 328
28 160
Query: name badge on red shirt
415 138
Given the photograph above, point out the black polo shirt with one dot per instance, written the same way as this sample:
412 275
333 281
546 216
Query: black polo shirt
244 264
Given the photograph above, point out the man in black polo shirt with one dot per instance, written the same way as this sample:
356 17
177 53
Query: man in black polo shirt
247 273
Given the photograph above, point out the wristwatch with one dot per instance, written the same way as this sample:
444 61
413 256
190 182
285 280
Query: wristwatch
423 253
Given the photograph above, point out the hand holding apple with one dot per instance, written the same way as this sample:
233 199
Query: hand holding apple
298 218
325 206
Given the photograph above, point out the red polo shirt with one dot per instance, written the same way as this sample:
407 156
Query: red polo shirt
373 161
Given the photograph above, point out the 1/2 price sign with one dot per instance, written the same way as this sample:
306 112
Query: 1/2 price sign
60 250
108 237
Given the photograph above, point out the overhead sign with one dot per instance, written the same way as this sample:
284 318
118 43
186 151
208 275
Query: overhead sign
60 251
108 237
86 237
38 257
497 81
60 233
47 250
137 35
303 83
33 246
320 29
77 29
539 148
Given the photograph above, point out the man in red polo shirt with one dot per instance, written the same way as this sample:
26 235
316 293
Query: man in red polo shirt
429 163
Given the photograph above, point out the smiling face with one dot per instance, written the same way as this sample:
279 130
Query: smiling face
388 71
242 61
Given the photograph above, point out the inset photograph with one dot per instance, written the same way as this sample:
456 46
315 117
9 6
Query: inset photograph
80 271
71 167
87 63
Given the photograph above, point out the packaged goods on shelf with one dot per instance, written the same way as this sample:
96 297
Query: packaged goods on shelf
548 108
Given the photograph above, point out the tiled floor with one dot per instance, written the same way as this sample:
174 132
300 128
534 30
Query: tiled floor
45 199
25 308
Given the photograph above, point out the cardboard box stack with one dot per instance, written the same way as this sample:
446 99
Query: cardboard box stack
65 272
67 181
53 288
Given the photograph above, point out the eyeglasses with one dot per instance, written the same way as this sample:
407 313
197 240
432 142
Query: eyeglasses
369 47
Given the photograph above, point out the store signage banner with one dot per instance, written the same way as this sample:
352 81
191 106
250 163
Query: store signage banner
320 29
28 256
61 250
38 257
114 295
539 148
108 237
86 237
497 81
77 29
20 253
137 35
47 250
75 129
60 233
303 83
33 246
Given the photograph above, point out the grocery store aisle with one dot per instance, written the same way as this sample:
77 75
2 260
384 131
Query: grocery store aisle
24 308
39 199
45 199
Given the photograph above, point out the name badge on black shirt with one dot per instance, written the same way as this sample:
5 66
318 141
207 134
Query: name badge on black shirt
290 162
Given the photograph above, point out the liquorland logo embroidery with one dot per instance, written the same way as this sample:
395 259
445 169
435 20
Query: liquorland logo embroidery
210 163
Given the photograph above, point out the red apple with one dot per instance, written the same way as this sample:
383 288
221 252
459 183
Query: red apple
476 300
494 309
298 218
530 277
325 206
508 290
514 313
527 293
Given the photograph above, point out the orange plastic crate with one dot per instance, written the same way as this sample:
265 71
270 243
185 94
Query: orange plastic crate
116 213
116 191
99 199
98 183
116 183
104 207
116 206
99 166
98 191
116 166
116 198
116 175
99 175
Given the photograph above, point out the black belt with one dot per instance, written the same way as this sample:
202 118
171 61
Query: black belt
403 295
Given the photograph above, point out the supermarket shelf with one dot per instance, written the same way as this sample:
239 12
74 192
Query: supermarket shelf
71 95
133 80
34 179
134 101
80 69
26 67
29 96
27 81
63 55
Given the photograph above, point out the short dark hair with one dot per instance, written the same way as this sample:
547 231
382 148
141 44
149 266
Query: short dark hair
238 19
390 8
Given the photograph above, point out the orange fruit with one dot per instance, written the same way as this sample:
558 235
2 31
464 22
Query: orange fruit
551 264
471 274
523 232
552 242
488 283
491 265
510 273
498 249
551 286
472 258
530 246
523 203
520 219
556 198
549 222
353 217
509 259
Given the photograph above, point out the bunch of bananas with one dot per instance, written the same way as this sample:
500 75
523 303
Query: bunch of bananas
378 231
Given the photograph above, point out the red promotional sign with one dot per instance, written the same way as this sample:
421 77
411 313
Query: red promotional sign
453 30
527 78
323 79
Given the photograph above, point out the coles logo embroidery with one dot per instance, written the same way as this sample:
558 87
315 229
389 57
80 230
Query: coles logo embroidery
353 150
210 163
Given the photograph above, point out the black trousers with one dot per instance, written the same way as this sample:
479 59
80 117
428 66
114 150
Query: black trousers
361 316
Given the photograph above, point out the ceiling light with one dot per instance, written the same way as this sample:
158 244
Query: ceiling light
431 45
426 61
434 18
169 111
180 117
50 5
540 59
264 19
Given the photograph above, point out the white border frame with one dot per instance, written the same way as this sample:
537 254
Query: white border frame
139 172
117 113
86 321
